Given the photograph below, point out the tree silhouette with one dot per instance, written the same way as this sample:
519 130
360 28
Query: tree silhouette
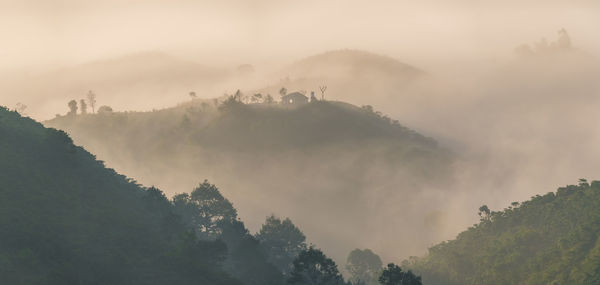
204 210
83 106
91 96
282 91
323 88
364 266
393 275
72 108
313 267
282 240
105 110
484 213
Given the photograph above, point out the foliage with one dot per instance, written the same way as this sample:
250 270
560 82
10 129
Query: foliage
205 210
393 275
313 267
364 266
66 219
212 217
550 239
282 241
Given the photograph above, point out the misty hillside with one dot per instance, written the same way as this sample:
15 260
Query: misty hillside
345 163
550 239
354 76
356 62
66 219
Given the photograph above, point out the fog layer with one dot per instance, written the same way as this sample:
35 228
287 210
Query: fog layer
520 123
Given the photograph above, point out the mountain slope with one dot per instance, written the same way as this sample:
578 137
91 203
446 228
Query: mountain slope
354 76
550 239
66 219
351 166
356 62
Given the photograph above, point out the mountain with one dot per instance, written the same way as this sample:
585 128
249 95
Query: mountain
344 165
356 62
550 239
66 219
355 76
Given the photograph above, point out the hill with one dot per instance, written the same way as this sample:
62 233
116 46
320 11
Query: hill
354 76
336 162
550 239
356 62
66 219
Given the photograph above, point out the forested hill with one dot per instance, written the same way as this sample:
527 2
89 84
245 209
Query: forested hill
66 219
332 156
550 239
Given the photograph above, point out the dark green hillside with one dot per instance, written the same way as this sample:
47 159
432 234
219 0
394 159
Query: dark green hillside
550 239
66 219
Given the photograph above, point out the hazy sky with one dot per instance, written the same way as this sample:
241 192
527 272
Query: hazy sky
42 32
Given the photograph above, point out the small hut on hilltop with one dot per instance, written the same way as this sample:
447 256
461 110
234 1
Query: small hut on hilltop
294 99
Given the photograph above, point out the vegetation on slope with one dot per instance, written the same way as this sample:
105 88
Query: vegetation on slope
332 155
66 219
550 239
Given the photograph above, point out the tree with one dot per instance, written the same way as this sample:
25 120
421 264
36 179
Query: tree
282 91
72 108
364 266
269 99
484 213
205 210
256 98
105 110
193 95
282 240
312 267
91 96
393 275
83 106
238 95
323 88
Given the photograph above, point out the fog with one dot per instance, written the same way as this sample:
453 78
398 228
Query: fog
519 124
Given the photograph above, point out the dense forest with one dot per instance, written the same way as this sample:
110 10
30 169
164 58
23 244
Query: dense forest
67 219
73 220
550 239
353 165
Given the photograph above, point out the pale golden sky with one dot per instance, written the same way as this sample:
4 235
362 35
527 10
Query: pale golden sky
45 32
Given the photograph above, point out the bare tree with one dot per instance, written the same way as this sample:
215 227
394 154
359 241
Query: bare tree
91 96
323 88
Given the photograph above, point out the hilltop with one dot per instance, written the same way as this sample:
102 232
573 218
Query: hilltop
354 76
329 156
357 62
